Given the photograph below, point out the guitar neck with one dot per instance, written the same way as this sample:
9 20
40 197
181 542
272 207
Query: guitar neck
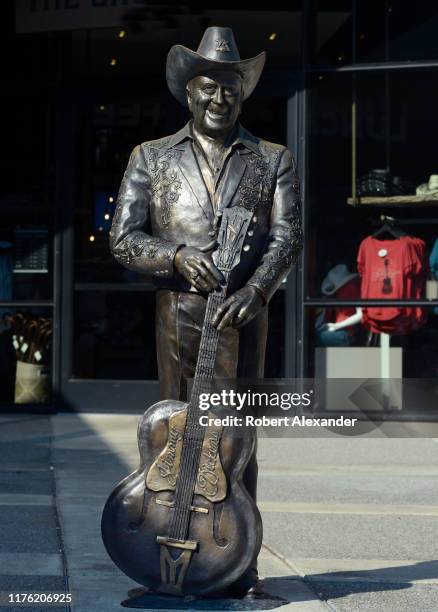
206 356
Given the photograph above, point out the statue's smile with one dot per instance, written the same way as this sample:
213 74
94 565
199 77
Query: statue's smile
215 114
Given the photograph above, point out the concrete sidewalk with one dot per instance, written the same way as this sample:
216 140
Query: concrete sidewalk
349 524
31 552
92 454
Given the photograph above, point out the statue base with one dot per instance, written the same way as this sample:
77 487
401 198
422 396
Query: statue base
144 599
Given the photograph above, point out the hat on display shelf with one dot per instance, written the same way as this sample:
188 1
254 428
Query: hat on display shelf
336 278
430 187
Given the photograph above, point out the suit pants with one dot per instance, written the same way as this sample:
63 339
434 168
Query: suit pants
241 353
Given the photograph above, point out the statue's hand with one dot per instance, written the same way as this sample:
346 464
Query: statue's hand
239 308
197 267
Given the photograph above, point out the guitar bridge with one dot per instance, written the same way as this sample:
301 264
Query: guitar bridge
171 504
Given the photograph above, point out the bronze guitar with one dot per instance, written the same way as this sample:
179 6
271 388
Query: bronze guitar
183 523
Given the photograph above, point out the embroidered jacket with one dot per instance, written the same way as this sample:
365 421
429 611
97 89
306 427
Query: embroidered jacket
163 203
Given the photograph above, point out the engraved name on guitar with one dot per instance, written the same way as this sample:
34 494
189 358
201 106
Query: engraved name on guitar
163 474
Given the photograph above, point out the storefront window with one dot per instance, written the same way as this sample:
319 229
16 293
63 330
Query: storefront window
390 164
346 32
26 201
26 336
333 227
330 35
27 209
391 31
138 48
115 335
372 228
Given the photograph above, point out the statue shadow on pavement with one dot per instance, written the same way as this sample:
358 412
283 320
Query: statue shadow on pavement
337 584
329 585
142 599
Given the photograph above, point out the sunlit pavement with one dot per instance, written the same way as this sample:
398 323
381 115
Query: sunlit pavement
349 523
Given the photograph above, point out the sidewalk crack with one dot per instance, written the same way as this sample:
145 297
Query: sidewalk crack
300 574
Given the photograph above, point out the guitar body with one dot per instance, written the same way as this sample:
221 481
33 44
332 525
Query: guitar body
225 524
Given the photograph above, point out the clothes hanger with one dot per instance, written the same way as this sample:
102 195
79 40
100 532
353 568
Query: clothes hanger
388 228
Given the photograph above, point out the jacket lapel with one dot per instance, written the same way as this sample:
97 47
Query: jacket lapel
230 181
189 167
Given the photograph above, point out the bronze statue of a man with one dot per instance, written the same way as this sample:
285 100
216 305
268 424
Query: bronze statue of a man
168 214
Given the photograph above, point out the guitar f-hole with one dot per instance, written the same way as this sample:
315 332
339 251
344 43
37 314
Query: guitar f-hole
134 527
222 542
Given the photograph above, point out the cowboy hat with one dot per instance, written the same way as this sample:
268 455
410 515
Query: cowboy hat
217 51
336 278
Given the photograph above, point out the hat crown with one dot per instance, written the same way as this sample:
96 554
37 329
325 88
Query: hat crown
338 273
433 181
218 44
338 276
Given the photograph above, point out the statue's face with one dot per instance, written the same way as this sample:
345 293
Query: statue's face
215 101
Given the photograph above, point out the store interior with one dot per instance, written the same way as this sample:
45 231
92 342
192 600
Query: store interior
76 103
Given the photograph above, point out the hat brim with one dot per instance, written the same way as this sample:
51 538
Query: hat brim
183 64
424 189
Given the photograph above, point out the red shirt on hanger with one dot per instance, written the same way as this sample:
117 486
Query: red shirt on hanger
392 269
